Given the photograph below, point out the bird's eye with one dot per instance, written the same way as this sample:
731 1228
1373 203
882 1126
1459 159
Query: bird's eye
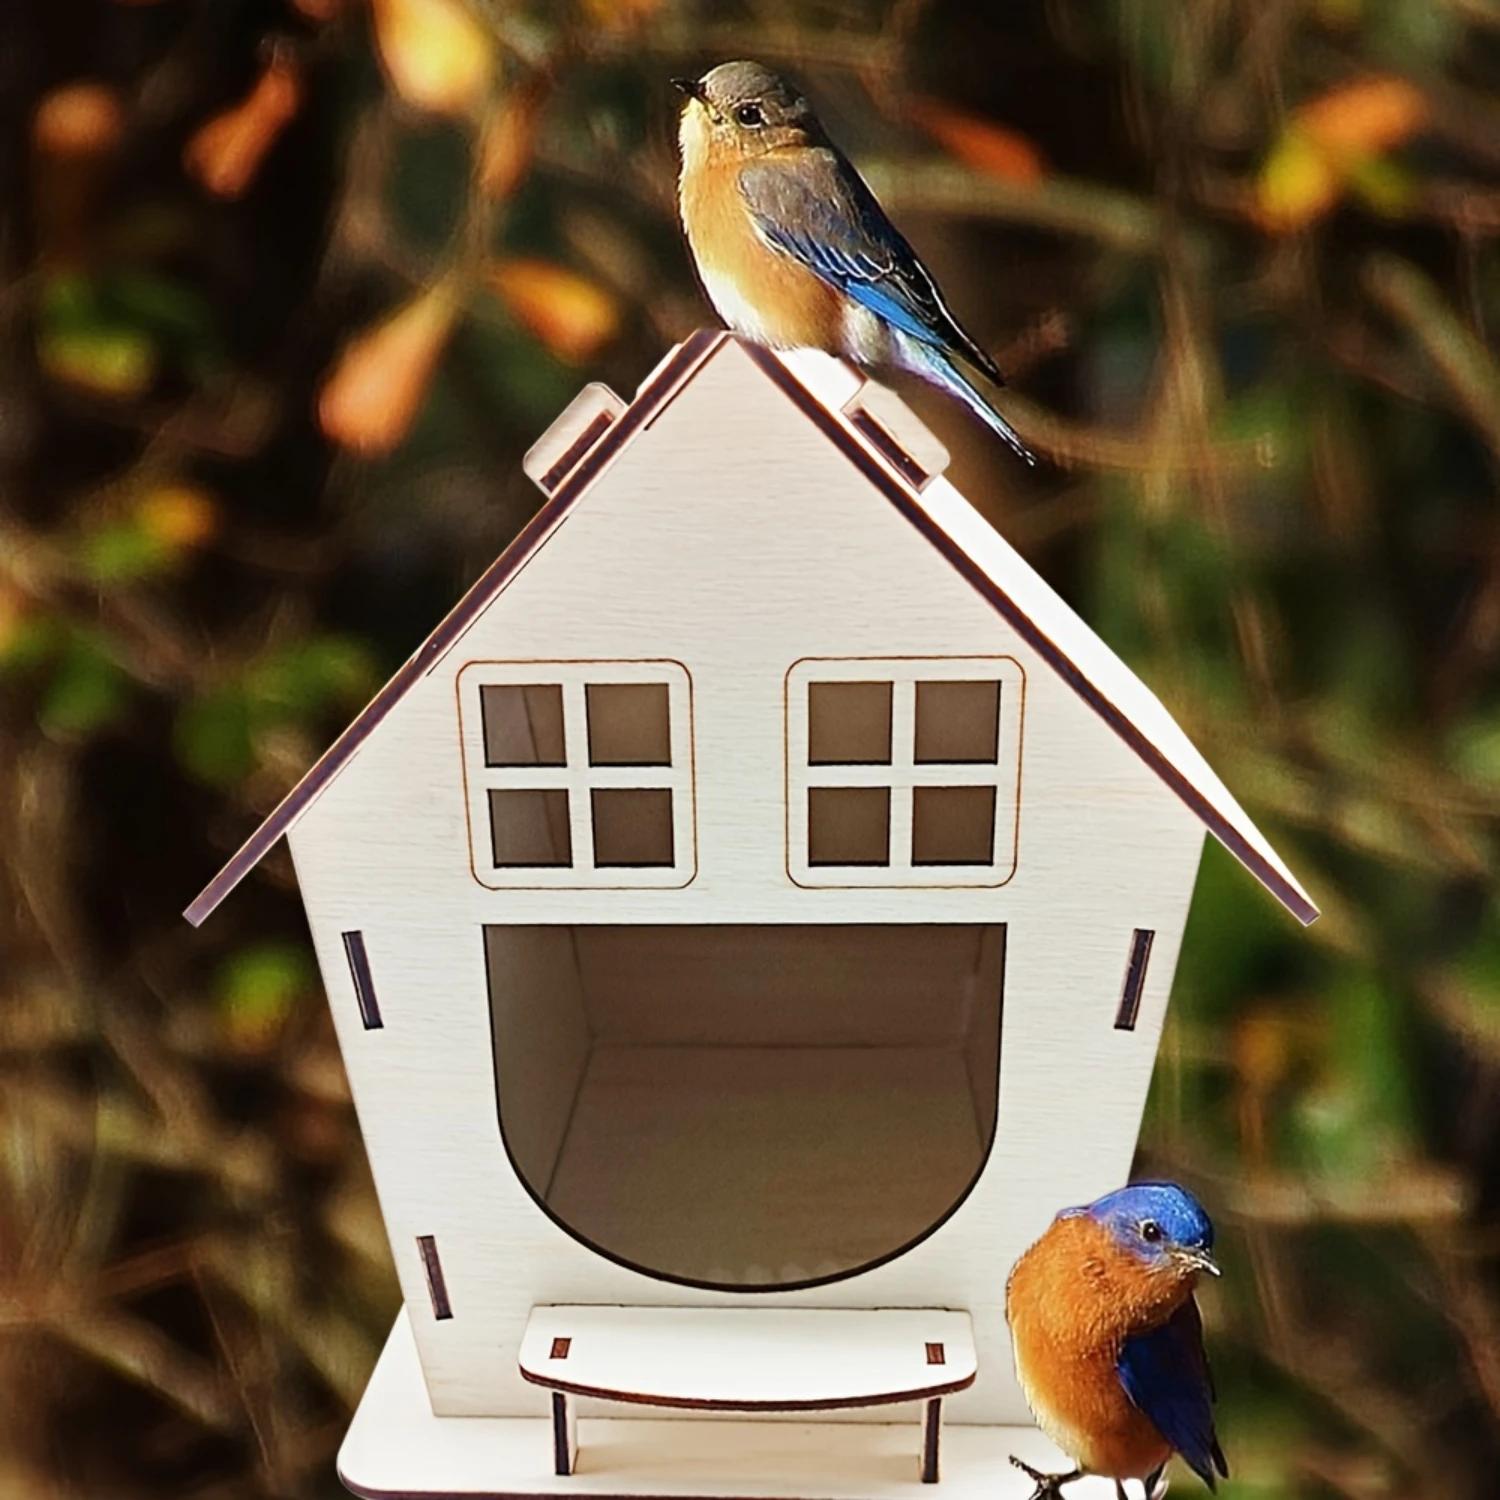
1150 1231
751 116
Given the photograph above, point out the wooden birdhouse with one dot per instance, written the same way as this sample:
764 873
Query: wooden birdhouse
747 919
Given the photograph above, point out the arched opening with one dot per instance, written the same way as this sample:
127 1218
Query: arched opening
747 1107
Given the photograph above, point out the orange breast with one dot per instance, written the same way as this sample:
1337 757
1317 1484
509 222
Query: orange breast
756 290
1067 1306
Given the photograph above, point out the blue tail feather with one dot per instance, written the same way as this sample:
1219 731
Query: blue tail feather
942 372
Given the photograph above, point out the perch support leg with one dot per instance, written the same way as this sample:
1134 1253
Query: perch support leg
564 1434
932 1431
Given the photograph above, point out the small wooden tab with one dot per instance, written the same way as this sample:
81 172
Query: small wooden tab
590 414
1135 979
897 434
437 1286
364 983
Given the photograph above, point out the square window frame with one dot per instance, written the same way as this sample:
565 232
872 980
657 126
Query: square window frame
578 776
589 689
884 822
851 760
934 796
600 796
526 710
904 773
553 814
992 751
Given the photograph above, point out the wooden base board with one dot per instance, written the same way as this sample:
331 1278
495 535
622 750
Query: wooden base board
397 1450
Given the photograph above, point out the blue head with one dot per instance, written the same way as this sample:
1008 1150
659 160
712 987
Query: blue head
1160 1224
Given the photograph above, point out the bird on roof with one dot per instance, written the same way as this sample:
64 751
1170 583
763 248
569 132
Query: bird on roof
794 251
1108 1343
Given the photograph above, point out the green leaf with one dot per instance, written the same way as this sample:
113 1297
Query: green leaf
68 302
33 640
1474 749
87 692
304 679
112 361
122 551
167 307
111 333
1362 1116
259 985
212 738
1384 185
1234 942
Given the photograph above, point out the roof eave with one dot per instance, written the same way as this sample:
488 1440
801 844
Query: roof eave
1286 892
670 376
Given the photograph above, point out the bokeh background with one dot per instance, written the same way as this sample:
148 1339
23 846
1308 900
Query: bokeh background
290 285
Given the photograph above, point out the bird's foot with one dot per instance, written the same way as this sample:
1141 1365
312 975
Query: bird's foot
1048 1486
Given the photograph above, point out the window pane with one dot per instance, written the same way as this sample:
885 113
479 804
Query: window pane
632 826
523 725
849 825
530 827
958 723
953 825
849 723
629 724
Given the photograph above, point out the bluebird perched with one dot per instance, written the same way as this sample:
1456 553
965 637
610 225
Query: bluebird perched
1108 1342
795 252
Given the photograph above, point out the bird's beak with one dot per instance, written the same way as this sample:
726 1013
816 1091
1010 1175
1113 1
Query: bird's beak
692 87
1198 1260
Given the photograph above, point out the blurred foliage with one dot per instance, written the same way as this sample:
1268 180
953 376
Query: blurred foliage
289 286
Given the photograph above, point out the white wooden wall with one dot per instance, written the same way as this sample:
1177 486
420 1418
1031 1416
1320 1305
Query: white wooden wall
731 537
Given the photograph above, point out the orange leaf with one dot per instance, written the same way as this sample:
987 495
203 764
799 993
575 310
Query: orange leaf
621 15
376 389
74 131
437 54
178 515
1365 117
226 153
77 120
981 144
14 607
509 143
573 317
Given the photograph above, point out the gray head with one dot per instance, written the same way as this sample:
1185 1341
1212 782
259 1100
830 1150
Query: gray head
747 108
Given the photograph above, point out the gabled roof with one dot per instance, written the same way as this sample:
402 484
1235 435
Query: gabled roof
977 552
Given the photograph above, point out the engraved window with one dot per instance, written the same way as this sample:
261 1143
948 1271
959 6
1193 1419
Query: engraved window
579 774
903 771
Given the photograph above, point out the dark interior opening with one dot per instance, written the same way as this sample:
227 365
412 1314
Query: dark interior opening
747 1107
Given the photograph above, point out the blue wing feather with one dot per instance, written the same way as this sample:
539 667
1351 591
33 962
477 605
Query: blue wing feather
816 208
1165 1373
